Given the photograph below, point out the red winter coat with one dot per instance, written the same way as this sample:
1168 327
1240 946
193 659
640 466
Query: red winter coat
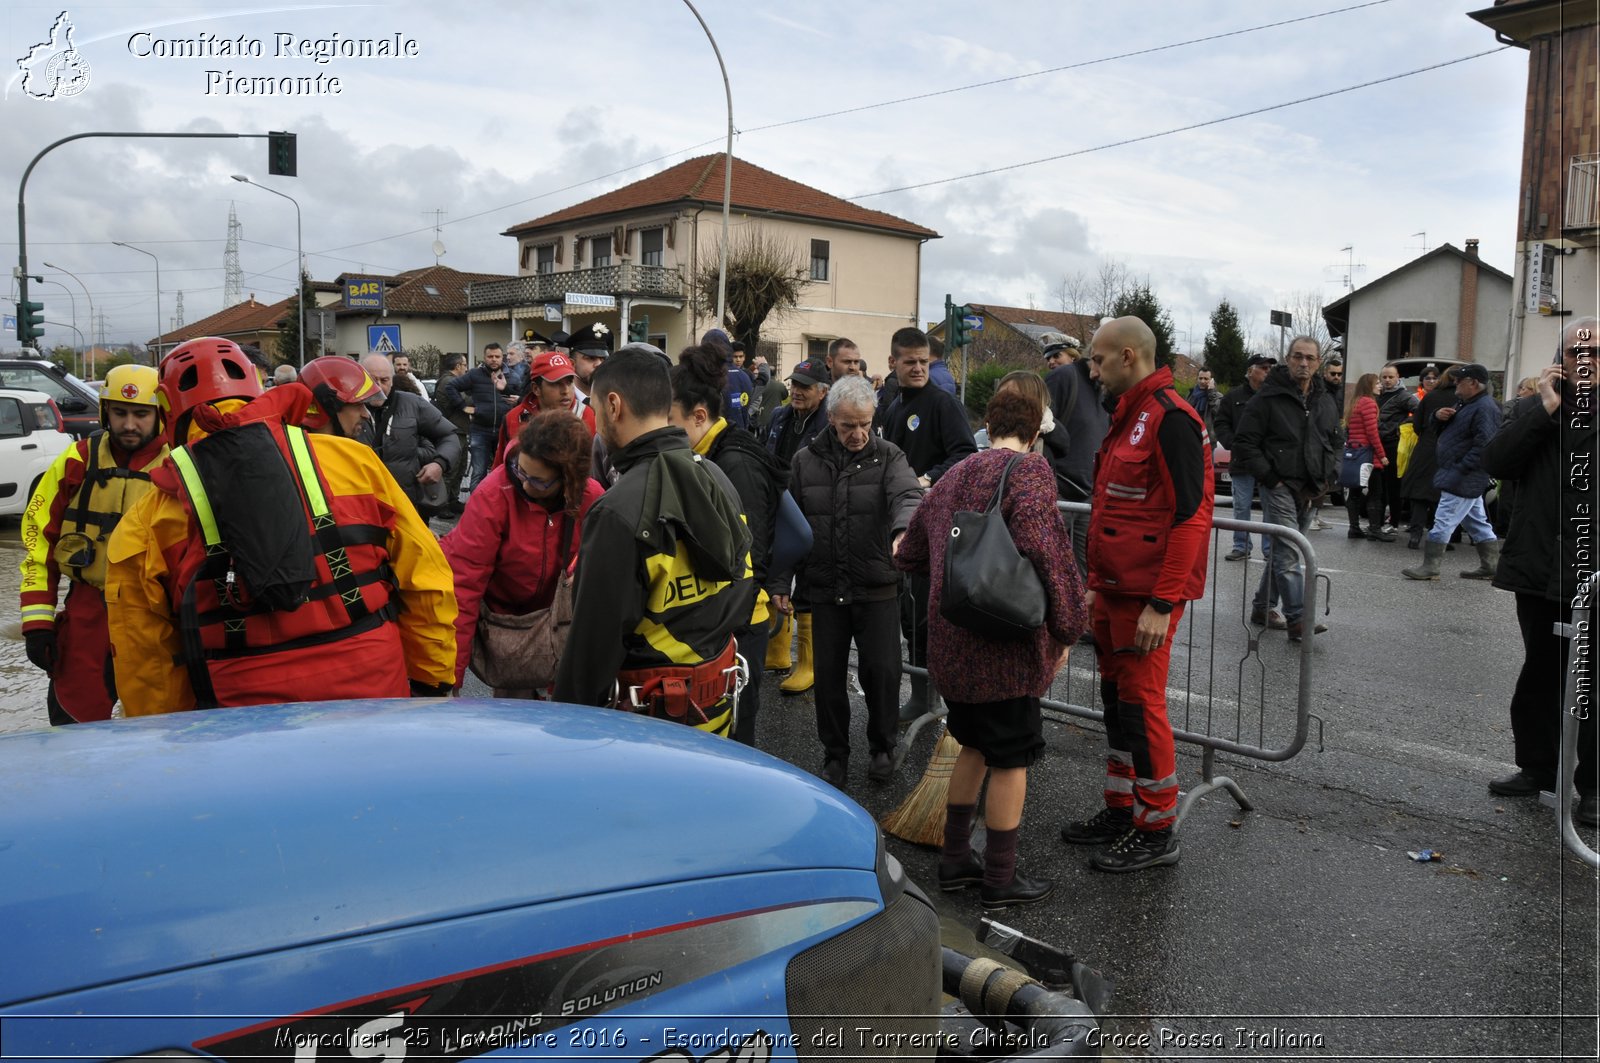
1363 429
505 553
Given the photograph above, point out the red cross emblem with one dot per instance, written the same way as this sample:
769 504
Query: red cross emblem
130 391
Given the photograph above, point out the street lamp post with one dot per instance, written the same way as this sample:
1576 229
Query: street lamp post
87 296
155 358
300 261
727 173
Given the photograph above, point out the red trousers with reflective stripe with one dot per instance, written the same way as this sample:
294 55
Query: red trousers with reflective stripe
82 676
1141 767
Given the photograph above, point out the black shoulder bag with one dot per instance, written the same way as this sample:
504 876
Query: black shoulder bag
988 586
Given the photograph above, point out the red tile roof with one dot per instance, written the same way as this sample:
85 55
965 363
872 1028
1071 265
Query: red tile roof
1071 324
699 181
249 316
407 292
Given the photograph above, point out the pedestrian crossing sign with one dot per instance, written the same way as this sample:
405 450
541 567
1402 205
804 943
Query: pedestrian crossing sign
383 339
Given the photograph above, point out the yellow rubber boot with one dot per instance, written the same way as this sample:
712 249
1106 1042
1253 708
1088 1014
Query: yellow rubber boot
778 658
800 680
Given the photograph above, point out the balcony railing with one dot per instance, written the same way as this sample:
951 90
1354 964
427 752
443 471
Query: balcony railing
625 278
1583 193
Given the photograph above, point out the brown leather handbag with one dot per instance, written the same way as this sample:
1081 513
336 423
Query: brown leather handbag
520 651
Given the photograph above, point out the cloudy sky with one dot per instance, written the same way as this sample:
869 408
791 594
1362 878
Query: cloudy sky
510 110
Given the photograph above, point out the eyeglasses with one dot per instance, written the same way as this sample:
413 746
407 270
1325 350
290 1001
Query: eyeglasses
531 481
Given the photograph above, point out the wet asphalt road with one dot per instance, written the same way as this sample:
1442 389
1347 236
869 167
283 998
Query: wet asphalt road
1300 928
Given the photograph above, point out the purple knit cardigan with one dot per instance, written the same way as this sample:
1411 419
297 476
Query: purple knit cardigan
967 665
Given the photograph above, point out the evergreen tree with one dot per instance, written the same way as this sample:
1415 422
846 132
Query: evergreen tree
1140 302
1225 346
289 327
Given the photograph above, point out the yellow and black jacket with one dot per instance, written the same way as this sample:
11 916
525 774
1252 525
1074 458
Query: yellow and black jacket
71 516
663 574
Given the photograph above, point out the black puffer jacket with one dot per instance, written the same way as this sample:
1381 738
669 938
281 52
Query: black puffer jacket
1394 409
1417 484
1288 436
1551 459
410 433
757 478
856 504
1226 420
489 404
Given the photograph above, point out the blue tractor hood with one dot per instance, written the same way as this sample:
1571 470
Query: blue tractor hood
202 836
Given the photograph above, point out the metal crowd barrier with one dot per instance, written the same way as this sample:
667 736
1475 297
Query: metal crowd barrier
1232 687
1579 693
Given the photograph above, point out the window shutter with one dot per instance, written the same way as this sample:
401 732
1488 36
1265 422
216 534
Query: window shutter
527 249
559 241
619 240
1429 331
1394 341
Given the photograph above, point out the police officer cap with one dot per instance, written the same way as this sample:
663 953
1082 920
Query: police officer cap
593 340
1058 341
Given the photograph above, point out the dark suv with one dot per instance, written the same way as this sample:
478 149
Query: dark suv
78 402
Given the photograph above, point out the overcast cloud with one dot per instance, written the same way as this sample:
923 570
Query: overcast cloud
514 110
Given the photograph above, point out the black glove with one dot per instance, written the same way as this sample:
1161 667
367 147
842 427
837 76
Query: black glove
41 649
419 689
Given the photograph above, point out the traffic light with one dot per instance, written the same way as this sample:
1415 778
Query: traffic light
639 330
30 322
281 154
960 331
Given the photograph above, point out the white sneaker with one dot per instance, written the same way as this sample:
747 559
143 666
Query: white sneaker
1389 529
1318 524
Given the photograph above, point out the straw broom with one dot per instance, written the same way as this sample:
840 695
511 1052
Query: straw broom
920 817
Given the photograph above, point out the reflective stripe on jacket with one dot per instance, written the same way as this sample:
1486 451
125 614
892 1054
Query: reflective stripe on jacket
73 503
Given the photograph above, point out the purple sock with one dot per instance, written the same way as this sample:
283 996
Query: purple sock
1000 858
957 832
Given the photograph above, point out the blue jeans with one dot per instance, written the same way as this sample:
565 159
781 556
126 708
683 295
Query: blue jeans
482 445
1467 512
1244 489
1283 574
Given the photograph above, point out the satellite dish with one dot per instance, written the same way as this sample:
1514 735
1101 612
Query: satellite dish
438 248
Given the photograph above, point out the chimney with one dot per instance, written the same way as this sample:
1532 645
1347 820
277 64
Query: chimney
1472 247
1467 307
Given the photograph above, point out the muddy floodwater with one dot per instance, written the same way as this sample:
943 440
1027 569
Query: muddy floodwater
22 686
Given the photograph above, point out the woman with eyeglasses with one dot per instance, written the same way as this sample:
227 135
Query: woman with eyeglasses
521 529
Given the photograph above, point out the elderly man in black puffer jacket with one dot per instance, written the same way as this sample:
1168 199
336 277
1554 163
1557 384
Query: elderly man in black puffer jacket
418 446
857 491
1548 447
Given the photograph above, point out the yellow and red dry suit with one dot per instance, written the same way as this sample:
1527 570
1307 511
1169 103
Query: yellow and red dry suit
65 530
275 565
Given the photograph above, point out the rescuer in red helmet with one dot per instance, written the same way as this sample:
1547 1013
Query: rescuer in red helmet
273 564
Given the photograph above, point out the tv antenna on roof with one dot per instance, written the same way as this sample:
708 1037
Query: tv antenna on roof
438 244
1424 235
1350 267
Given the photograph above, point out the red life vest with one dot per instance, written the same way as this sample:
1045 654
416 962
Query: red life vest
1134 501
241 651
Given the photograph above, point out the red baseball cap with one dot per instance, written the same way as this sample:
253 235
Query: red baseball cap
551 366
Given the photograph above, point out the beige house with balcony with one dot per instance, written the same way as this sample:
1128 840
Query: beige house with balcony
1558 218
629 255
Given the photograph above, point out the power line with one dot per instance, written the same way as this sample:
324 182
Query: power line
1060 69
1179 129
868 107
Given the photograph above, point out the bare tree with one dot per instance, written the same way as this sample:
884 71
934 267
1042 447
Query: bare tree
766 274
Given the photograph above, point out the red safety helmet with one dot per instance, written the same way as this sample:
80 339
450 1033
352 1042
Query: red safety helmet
202 371
335 382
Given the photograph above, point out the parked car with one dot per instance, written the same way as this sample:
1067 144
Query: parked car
31 437
448 878
78 402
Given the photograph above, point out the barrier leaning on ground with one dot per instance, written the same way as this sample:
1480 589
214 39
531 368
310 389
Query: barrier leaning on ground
1231 687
